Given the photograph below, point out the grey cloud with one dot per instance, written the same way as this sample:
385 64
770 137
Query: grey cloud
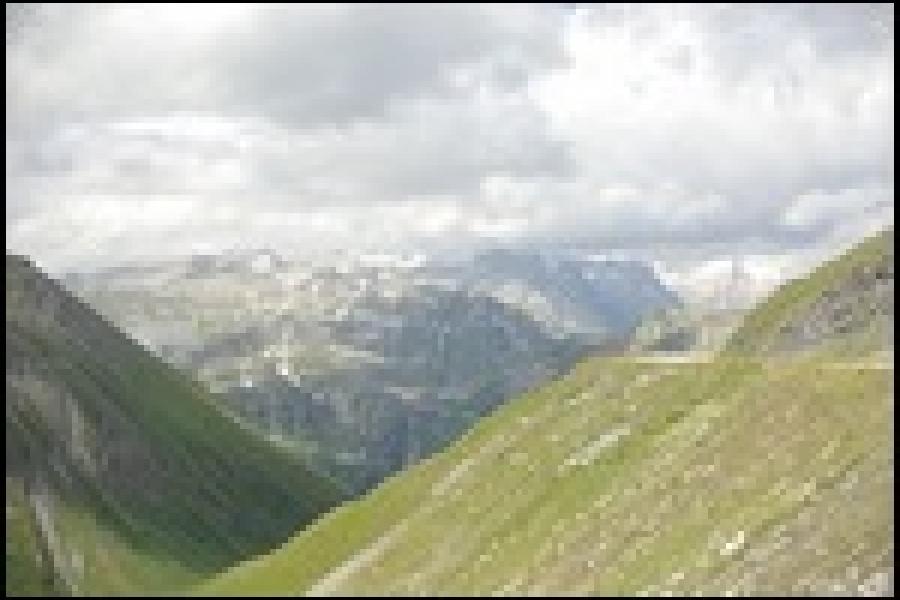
426 149
392 99
301 65
343 64
621 126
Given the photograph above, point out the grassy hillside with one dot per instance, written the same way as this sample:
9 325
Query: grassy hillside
847 305
760 471
121 476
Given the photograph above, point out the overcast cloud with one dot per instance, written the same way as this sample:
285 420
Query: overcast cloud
141 130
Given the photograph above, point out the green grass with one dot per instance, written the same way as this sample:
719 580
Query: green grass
521 520
755 473
149 486
107 565
762 329
28 571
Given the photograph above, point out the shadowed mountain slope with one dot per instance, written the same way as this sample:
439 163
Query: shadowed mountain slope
121 475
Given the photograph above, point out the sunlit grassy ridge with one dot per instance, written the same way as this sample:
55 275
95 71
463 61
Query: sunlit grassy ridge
121 476
757 472
846 303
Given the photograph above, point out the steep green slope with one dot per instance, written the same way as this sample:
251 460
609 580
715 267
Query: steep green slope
750 473
847 304
121 476
28 568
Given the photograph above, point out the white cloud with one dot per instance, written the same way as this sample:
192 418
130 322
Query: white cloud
718 118
151 129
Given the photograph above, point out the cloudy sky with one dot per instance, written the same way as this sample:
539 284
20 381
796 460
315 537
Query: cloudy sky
694 132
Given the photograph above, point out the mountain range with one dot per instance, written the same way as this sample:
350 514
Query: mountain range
764 469
364 364
762 464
